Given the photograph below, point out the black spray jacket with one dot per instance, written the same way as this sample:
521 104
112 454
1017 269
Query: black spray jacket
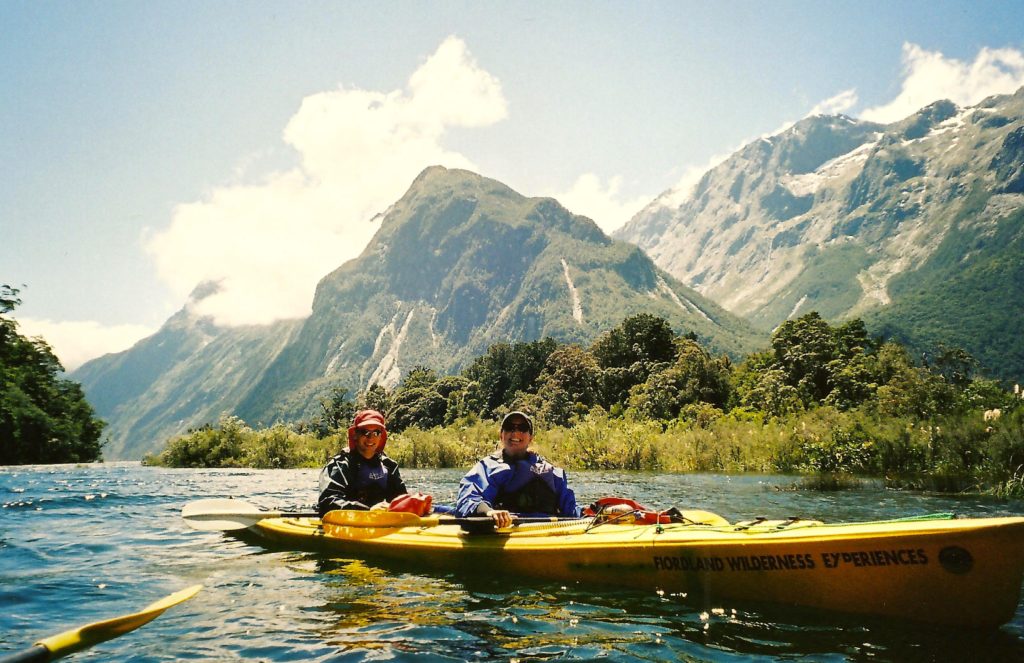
349 481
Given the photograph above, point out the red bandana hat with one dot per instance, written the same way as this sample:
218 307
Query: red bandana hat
365 418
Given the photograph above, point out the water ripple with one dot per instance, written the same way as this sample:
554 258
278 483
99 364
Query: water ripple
83 543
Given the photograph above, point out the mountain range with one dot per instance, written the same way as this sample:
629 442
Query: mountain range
915 226
459 263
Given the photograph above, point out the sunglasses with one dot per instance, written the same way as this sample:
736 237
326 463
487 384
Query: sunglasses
362 432
516 428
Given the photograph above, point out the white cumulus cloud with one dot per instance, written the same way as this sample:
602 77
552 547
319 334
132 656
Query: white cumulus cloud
929 76
687 184
76 342
601 201
836 105
268 243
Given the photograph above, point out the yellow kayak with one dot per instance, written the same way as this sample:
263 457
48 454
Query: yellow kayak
964 572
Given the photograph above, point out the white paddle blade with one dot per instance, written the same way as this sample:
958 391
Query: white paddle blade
223 515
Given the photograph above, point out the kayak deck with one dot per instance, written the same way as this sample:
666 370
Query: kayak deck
963 572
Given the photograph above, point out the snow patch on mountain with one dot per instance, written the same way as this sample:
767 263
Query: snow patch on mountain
577 308
388 373
687 306
808 183
952 125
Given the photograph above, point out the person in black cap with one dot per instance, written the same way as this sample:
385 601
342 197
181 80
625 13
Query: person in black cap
515 480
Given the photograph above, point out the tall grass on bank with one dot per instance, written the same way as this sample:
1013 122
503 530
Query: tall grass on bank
452 446
949 454
234 444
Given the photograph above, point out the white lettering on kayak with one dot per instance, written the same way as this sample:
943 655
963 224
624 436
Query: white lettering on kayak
792 561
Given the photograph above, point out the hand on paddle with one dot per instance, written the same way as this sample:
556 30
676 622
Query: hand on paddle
502 519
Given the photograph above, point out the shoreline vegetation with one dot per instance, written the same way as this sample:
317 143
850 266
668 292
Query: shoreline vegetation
828 403
832 450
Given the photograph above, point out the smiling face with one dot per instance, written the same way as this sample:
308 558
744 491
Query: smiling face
368 440
516 437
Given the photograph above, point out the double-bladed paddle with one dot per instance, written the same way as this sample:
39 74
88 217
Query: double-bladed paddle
475 524
230 514
86 636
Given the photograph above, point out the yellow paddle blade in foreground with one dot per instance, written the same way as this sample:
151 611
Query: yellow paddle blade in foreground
86 636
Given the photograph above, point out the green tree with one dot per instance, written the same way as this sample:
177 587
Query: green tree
507 369
376 397
43 417
568 384
417 406
803 349
336 412
956 365
630 353
640 338
909 390
694 377
419 377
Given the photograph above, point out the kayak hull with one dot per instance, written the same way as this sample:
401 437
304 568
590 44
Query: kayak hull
964 572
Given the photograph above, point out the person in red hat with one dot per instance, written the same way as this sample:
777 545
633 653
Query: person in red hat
361 477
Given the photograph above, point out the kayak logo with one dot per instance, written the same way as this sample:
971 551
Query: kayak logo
956 560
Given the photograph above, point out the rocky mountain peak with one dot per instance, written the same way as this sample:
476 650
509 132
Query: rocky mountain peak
840 216
460 262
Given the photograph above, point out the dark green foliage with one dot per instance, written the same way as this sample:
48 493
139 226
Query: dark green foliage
43 417
629 353
506 370
336 412
231 443
694 377
640 338
375 398
968 294
417 406
827 401
569 385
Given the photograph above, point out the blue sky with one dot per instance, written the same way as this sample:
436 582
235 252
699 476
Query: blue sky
148 146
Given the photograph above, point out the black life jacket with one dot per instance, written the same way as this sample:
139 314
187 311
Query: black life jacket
534 496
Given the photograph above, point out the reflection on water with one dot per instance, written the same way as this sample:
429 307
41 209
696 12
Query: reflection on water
78 544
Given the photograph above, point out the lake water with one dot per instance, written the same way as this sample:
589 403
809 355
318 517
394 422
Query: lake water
83 543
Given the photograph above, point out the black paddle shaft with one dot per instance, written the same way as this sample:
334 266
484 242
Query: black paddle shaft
33 654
